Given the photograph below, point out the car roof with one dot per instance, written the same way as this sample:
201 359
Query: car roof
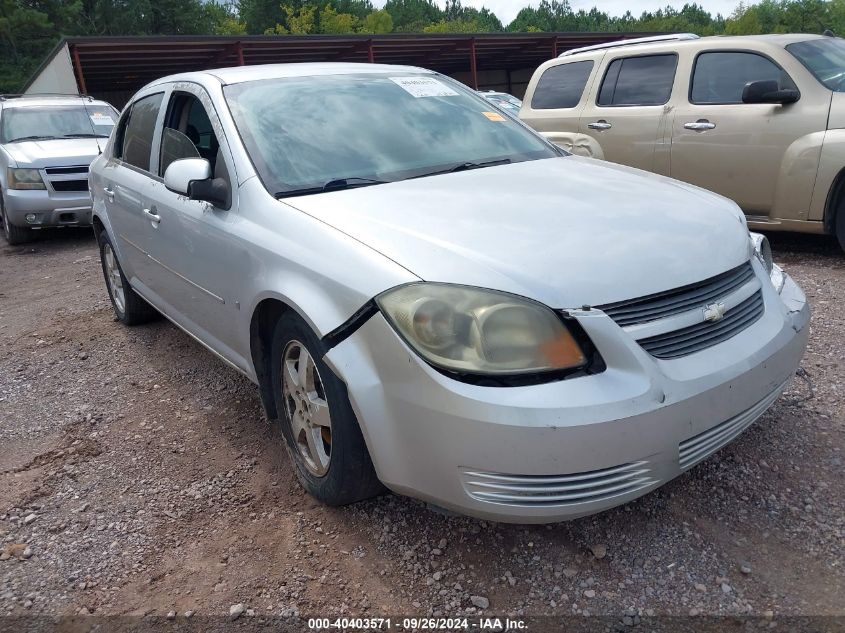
241 74
668 43
23 101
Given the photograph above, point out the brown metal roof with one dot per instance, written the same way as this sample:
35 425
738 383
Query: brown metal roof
114 64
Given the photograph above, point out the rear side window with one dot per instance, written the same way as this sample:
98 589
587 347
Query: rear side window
561 86
720 77
136 138
633 81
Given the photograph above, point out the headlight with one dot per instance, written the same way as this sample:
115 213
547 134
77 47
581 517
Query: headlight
24 178
762 250
480 331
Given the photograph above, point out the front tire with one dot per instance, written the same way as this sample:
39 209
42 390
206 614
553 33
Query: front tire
840 226
321 432
14 234
129 307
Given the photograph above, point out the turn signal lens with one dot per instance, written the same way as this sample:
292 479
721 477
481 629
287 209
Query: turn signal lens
480 331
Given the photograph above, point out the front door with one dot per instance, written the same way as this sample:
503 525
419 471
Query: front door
740 149
200 266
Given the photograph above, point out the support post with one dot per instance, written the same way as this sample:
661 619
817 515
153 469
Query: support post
472 64
239 49
554 48
370 56
77 68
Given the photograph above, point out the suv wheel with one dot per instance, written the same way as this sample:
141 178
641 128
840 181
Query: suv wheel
129 307
840 226
14 234
321 432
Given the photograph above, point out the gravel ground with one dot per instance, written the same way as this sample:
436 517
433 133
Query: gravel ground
138 476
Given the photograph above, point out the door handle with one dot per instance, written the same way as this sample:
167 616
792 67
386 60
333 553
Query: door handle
152 217
701 125
109 193
599 125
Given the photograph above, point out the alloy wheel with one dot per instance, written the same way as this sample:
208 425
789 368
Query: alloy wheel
115 281
307 408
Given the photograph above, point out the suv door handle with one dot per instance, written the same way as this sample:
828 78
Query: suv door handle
109 193
155 219
700 126
599 125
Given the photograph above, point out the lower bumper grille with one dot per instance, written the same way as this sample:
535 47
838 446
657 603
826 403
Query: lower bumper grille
558 490
697 448
69 185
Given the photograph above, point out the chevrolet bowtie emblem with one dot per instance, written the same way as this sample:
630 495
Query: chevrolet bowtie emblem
714 312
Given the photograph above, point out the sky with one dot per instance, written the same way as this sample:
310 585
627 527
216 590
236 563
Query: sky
506 10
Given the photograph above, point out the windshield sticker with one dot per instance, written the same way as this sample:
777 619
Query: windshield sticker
423 87
494 116
98 118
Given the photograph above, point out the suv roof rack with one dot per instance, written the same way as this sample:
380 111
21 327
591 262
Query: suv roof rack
636 40
38 95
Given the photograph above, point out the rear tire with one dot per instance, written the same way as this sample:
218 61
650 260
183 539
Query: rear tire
321 433
14 234
129 307
839 221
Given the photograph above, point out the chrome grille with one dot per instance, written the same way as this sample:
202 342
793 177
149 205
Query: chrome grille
697 448
558 490
697 337
672 302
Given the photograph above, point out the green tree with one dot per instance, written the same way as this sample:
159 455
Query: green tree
377 22
412 16
299 21
333 22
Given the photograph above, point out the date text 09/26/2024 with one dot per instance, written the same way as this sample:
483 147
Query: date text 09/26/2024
416 624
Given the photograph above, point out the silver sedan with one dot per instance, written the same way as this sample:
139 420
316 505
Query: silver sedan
431 297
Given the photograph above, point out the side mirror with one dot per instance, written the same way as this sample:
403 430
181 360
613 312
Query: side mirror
192 177
768 91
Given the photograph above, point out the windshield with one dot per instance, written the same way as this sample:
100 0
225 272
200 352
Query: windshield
56 121
305 132
825 58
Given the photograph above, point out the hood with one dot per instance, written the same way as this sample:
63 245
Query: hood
60 152
565 231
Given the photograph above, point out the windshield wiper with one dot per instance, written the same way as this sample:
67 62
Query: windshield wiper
465 167
34 137
337 184
85 135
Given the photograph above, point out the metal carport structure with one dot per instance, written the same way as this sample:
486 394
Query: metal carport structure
113 68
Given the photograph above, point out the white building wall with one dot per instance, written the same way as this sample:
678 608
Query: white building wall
56 77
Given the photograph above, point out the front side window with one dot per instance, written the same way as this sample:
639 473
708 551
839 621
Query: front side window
307 132
719 77
187 133
45 122
561 86
136 138
825 58
638 81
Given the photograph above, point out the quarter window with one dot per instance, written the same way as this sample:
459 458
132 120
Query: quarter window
561 86
719 77
638 81
136 138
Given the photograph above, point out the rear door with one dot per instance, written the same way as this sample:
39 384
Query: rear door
126 182
555 98
626 112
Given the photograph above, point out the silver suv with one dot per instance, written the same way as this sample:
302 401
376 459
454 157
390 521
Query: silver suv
47 143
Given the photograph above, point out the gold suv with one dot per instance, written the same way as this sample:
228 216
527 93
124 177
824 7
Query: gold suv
759 119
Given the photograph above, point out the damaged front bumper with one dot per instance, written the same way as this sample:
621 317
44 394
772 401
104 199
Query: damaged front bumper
570 448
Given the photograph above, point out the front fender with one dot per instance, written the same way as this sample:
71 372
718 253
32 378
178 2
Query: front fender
831 164
794 186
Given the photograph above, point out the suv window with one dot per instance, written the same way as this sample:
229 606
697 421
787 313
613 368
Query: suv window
134 140
632 81
719 77
187 132
561 86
